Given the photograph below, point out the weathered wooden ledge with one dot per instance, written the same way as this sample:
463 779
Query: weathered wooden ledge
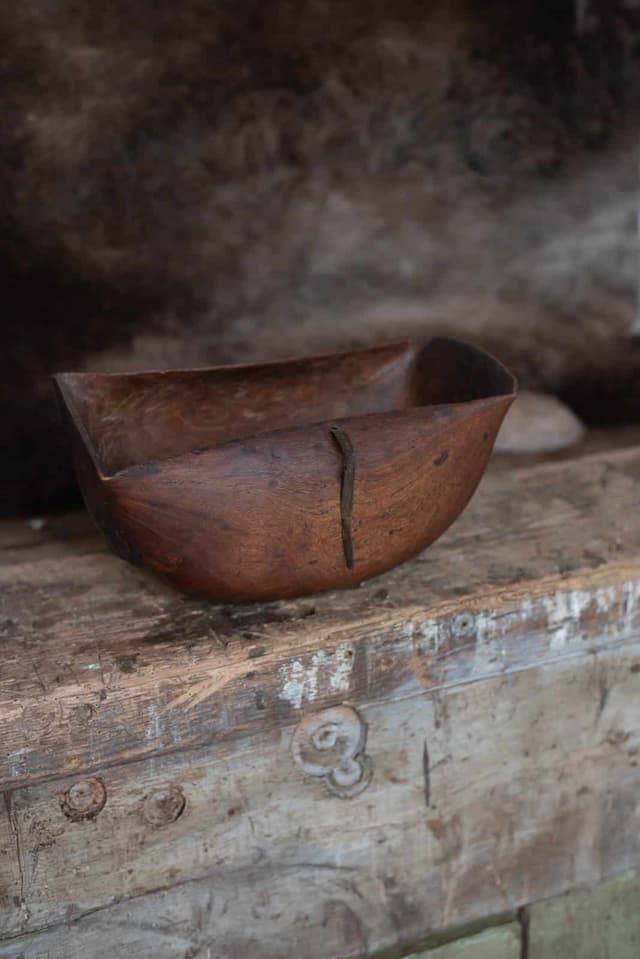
490 687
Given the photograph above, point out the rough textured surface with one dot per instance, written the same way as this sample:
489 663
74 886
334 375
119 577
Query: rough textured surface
602 923
102 664
179 779
249 180
509 807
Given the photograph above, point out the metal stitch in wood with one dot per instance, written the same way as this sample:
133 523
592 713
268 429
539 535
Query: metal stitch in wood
346 490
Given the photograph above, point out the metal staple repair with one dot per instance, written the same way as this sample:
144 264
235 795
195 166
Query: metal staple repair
347 487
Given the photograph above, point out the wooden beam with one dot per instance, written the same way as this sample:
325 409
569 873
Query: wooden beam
479 798
103 665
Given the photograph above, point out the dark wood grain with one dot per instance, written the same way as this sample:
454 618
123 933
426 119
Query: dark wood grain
230 484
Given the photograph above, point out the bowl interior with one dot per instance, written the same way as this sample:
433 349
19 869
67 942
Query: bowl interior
134 418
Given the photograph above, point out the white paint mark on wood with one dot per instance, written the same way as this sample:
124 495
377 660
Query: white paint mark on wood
477 640
296 682
153 731
330 671
631 593
17 759
606 599
564 610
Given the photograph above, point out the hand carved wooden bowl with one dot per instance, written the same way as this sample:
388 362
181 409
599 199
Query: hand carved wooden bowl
270 481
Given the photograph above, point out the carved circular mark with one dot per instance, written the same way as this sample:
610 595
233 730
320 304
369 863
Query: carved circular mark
84 799
350 779
325 738
164 806
330 745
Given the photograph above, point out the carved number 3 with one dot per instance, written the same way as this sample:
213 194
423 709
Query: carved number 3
330 745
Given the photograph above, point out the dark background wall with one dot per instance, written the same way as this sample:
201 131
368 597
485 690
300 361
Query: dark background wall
202 182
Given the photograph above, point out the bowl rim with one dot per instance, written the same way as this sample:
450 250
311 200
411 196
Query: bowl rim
396 348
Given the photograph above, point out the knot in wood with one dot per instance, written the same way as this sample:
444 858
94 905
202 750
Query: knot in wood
84 799
164 806
464 624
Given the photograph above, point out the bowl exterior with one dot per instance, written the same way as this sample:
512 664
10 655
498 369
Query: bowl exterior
263 518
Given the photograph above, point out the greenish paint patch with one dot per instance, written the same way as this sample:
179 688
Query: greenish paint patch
600 923
501 942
